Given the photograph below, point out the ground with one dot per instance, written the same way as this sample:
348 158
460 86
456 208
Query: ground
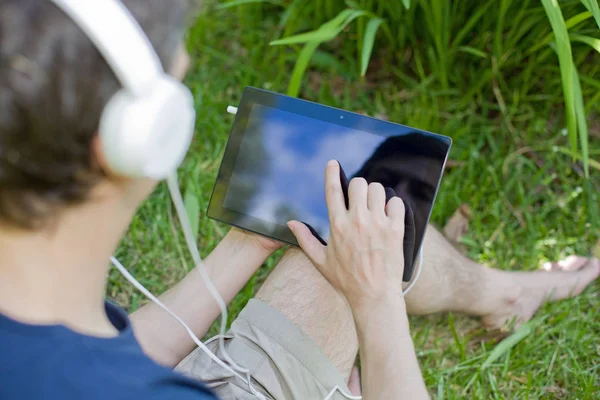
528 199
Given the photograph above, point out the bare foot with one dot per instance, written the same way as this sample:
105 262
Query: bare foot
560 280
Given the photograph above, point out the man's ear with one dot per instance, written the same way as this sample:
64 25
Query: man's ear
98 159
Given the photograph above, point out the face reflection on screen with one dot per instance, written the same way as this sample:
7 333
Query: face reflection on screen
279 173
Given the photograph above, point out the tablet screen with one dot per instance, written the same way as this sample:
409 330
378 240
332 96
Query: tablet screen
274 168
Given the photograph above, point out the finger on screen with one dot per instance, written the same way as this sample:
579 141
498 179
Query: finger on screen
357 193
376 198
395 209
333 189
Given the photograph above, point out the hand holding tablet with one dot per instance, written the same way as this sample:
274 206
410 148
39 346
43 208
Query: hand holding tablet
361 260
409 224
272 169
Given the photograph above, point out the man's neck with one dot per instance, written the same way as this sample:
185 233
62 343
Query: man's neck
58 275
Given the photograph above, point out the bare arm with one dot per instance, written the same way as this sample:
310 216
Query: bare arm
230 266
390 369
364 261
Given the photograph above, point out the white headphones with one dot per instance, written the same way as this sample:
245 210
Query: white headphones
147 127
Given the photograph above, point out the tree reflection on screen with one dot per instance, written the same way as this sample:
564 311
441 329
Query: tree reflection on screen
411 165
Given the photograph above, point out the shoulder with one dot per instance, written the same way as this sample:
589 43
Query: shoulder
65 364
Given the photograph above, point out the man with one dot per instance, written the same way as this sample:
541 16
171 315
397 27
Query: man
63 212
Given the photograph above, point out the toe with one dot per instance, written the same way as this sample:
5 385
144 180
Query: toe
569 264
573 263
594 268
580 278
567 278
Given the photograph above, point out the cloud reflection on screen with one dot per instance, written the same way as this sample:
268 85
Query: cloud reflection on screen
279 173
296 149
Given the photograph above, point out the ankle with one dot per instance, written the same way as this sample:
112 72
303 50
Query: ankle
500 290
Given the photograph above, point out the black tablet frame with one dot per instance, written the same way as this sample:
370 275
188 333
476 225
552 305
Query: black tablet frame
251 96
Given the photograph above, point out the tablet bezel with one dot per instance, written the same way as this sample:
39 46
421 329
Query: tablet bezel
251 96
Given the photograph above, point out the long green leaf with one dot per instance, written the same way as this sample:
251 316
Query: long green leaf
472 51
581 122
591 41
319 35
592 6
565 60
325 32
300 68
368 41
570 23
593 163
504 346
241 2
406 4
339 19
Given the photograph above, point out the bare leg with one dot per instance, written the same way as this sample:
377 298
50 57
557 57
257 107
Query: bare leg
451 282
299 292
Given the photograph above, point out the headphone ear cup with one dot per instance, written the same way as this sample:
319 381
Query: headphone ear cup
115 136
148 136
172 129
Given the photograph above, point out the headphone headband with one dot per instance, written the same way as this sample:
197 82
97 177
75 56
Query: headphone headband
147 126
119 38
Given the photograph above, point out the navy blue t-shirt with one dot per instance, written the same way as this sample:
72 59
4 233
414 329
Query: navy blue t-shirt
54 362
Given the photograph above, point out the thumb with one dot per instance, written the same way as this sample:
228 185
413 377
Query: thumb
308 242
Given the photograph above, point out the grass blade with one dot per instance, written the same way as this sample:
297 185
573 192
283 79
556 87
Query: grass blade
241 2
325 32
300 68
592 6
319 35
473 51
592 41
368 41
592 163
565 60
581 122
570 23
504 346
192 208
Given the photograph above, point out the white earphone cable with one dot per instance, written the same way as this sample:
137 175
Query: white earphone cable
189 237
117 264
193 247
415 278
191 243
189 331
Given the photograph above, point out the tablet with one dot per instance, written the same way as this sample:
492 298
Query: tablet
273 168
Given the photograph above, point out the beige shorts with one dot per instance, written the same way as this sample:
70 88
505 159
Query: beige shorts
283 361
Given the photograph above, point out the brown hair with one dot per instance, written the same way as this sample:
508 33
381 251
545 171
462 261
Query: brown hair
54 85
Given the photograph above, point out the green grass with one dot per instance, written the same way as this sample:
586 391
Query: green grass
528 206
486 42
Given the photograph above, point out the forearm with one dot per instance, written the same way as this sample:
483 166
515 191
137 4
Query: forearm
390 369
230 266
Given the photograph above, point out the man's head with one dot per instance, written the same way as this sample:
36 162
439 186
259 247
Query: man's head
410 164
54 85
